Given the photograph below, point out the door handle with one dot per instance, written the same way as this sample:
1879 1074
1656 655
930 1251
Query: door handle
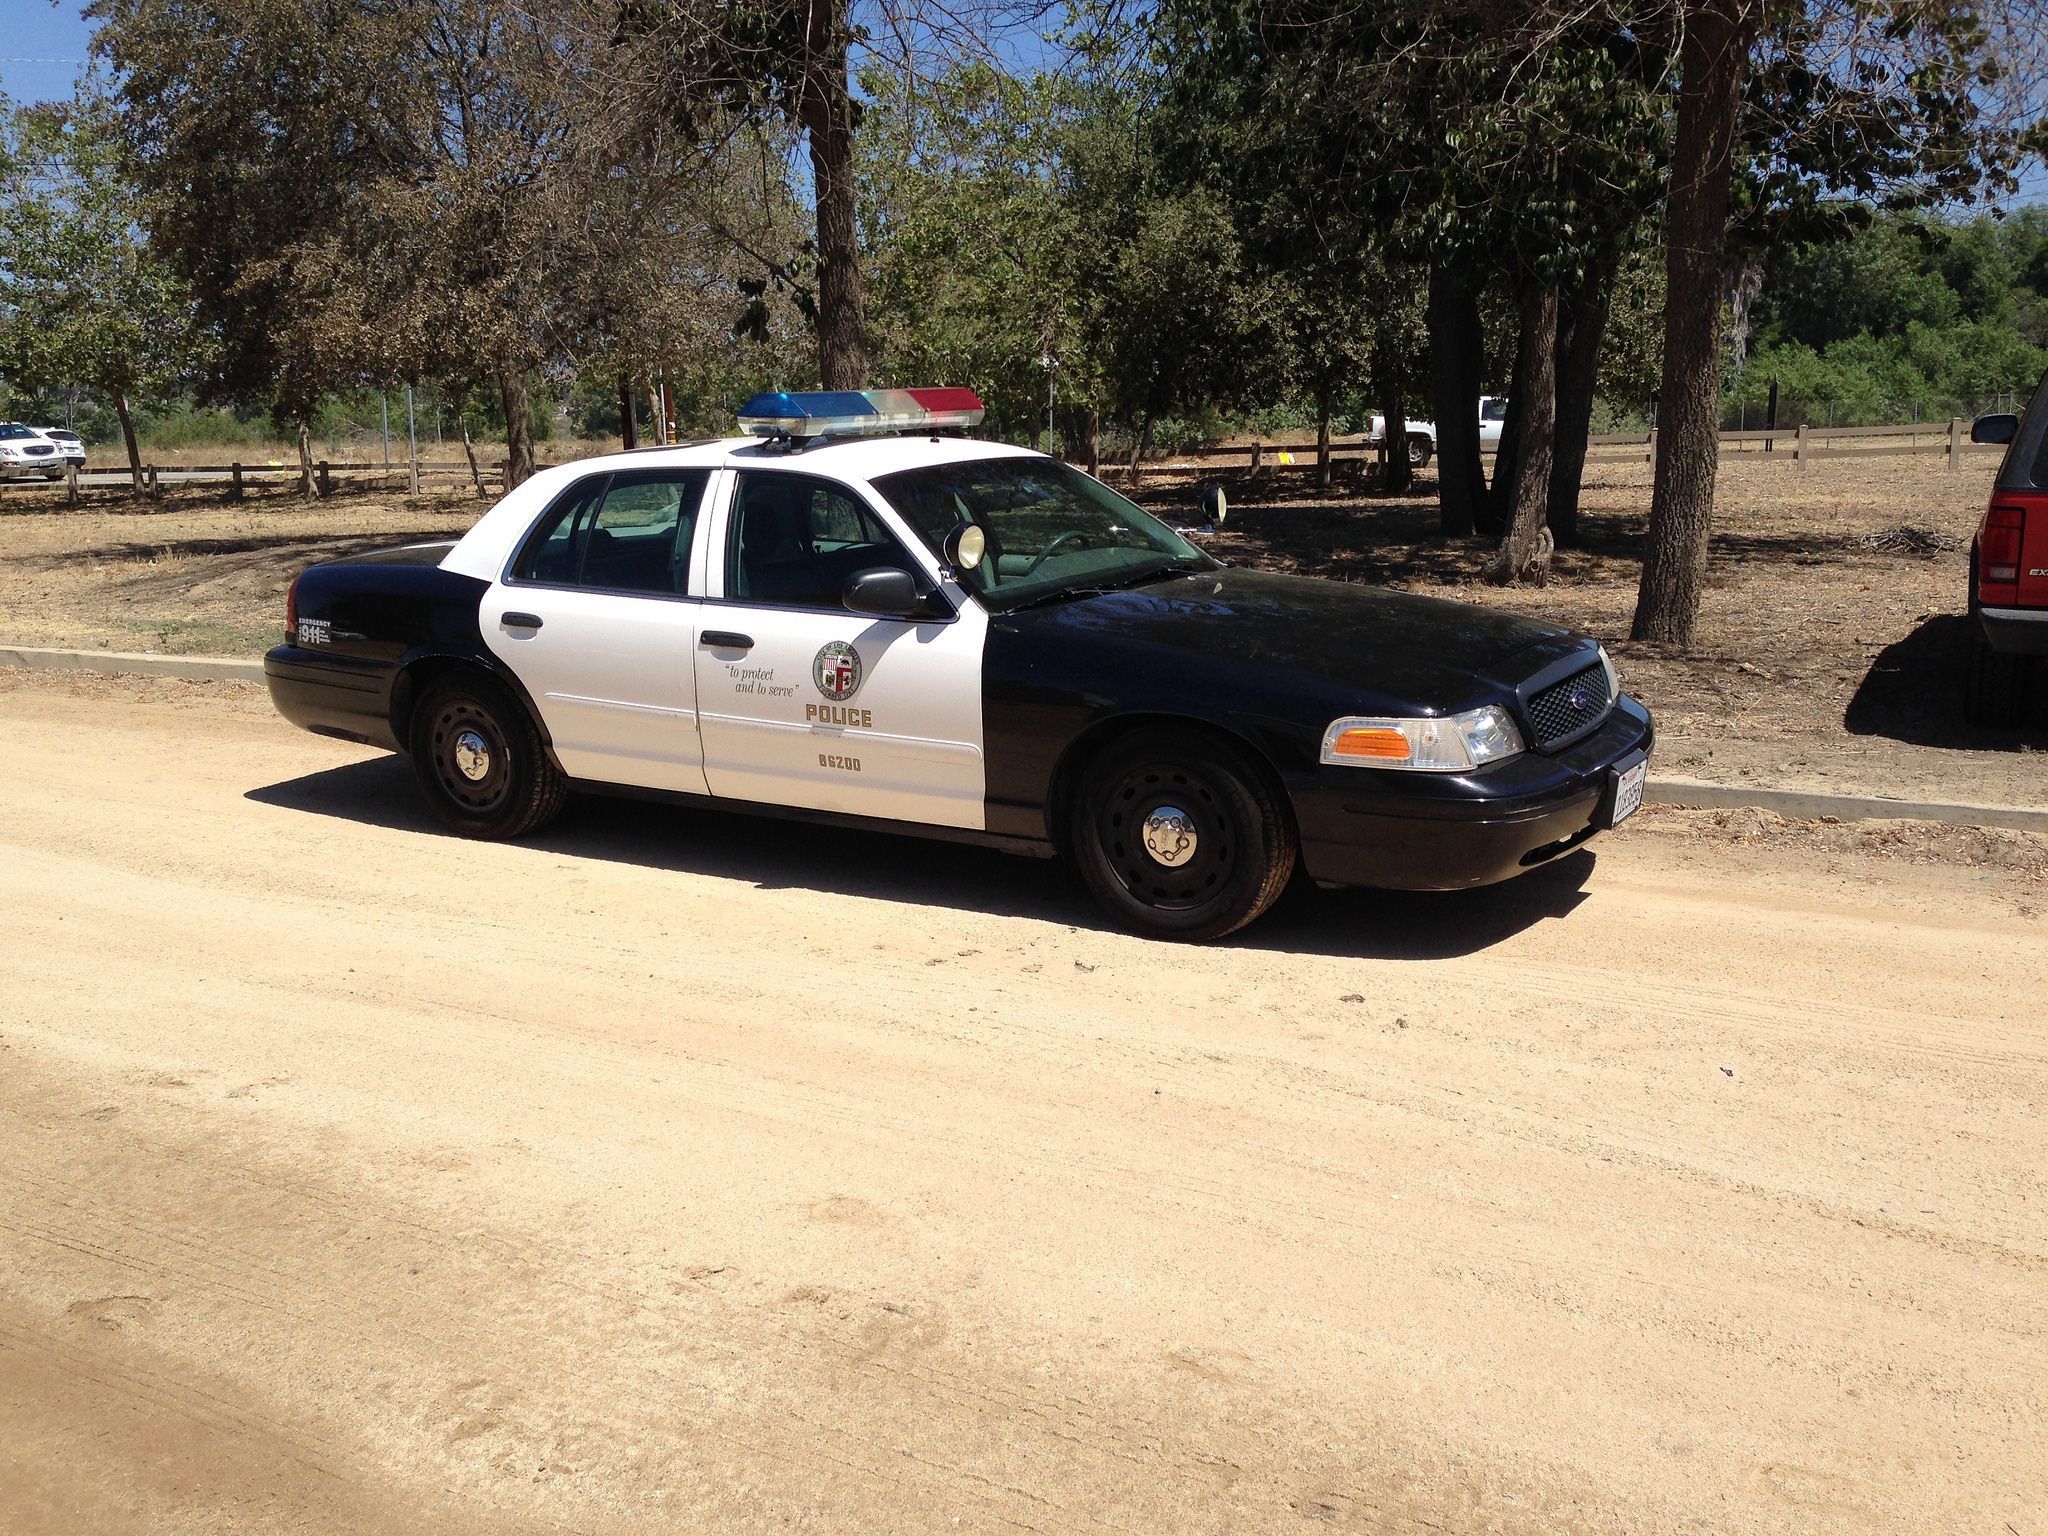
520 620
726 640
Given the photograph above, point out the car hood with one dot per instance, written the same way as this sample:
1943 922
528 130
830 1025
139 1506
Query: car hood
1424 653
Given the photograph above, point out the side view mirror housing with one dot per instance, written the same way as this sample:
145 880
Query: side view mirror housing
884 592
2001 428
1215 505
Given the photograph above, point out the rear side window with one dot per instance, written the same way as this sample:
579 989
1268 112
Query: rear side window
796 540
625 532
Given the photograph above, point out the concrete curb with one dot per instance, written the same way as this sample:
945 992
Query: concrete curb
133 663
1811 806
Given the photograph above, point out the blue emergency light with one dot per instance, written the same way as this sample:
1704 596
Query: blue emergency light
858 412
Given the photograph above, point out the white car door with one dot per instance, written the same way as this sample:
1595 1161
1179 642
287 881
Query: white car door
598 617
804 703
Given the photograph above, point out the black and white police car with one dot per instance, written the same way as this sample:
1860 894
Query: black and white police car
851 614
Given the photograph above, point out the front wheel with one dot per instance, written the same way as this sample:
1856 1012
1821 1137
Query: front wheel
480 762
1420 449
1180 836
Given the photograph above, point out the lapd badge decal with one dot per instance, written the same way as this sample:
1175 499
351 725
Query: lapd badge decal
836 670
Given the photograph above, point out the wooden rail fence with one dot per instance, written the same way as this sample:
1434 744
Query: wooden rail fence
1800 445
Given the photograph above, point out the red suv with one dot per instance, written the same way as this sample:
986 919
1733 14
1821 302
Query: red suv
2009 570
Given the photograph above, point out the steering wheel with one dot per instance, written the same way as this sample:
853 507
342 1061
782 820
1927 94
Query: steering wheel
1072 535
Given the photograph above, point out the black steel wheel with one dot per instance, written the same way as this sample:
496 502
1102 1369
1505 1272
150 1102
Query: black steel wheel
1180 836
480 763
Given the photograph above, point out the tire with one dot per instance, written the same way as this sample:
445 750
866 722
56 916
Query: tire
1420 450
1997 691
480 763
1243 838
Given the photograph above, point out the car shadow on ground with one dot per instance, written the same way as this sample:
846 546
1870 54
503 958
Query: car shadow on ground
1913 692
775 854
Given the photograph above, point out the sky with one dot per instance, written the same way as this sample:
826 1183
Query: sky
45 47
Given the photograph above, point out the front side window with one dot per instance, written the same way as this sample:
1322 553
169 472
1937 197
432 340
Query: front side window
1494 410
796 540
624 532
1050 527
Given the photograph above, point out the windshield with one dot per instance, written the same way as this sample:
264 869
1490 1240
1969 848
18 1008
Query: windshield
10 430
1050 528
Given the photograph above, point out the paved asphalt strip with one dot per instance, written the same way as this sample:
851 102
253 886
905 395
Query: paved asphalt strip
1686 793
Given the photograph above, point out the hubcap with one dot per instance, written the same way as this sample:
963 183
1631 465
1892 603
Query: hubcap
1165 833
470 761
1170 836
472 756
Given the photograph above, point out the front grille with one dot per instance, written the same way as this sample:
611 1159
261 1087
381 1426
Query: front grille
39 448
1570 708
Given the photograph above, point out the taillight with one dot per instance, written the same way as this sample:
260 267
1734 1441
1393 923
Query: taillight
1998 552
291 612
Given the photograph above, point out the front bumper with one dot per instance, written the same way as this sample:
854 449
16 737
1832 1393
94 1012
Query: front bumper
2018 631
332 695
1427 832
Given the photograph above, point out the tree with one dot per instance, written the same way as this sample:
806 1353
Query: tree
1885 99
83 298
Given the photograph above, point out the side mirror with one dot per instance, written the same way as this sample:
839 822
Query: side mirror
883 592
2002 428
1215 505
964 545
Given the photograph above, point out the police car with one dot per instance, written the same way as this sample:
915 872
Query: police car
853 613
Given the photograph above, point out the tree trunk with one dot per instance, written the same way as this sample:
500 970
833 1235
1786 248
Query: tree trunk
518 428
1524 553
1399 474
1139 449
1094 435
1498 514
306 460
1455 343
476 475
1323 439
1717 37
128 437
827 112
656 417
1745 282
1581 323
629 430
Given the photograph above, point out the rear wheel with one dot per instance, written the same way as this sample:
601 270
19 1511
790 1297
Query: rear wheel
1420 449
1997 692
1180 836
480 762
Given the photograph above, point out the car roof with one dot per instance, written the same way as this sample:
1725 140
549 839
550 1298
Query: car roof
843 458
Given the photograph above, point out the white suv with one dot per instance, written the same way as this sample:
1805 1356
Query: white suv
24 451
69 444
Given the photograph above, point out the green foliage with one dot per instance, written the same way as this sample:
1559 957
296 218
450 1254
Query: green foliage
1911 317
83 299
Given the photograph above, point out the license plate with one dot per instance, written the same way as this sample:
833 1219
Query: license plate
1627 798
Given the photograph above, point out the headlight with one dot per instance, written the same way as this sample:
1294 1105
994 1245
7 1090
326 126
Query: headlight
1613 677
1450 744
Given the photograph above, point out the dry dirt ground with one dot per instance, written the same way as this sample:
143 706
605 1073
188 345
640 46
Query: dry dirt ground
681 1172
1831 647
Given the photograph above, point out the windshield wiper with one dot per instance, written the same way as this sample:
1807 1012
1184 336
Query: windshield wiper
1135 578
1058 595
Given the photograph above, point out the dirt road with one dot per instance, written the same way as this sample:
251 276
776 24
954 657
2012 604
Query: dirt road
676 1172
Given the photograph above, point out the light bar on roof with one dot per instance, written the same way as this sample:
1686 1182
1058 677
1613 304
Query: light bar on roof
858 412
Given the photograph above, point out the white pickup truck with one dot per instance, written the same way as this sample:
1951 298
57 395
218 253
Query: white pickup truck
1493 411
